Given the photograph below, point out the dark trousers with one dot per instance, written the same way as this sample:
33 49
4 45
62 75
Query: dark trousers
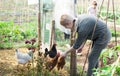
97 47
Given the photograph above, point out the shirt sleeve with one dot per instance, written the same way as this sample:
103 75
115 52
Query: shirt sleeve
84 29
80 39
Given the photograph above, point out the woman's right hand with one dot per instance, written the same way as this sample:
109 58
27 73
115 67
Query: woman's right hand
64 54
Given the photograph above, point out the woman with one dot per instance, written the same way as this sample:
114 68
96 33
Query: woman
85 26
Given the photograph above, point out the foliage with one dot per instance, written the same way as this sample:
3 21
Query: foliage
111 68
5 34
113 33
108 70
79 71
10 33
30 44
41 68
7 45
110 16
108 53
62 42
118 70
59 35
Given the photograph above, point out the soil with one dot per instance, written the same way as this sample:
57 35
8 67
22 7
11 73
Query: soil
8 62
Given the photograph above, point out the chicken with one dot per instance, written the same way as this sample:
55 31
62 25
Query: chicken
57 61
52 53
23 58
61 63
53 62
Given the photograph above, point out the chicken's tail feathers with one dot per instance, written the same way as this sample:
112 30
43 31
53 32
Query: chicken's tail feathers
46 52
16 50
30 53
16 53
54 48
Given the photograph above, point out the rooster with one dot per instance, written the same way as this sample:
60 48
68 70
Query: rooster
52 53
23 58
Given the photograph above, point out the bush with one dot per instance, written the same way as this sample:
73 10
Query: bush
5 34
10 33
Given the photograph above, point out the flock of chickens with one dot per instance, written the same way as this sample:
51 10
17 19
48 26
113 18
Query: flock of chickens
57 60
53 54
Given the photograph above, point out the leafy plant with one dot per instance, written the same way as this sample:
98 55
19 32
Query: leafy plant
118 70
113 33
111 69
5 37
108 70
31 44
10 33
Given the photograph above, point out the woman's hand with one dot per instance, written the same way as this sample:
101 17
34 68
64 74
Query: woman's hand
64 54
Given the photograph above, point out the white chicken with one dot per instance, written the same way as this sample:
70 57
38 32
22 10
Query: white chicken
23 58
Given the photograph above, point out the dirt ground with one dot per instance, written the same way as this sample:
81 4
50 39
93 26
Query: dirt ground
8 61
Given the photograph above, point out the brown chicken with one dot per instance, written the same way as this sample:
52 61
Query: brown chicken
61 63
53 62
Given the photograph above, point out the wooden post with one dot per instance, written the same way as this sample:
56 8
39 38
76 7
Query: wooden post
39 27
52 37
39 41
73 64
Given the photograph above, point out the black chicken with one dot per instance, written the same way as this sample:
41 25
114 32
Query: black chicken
52 53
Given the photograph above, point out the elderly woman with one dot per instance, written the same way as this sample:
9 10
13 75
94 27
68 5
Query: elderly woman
88 27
